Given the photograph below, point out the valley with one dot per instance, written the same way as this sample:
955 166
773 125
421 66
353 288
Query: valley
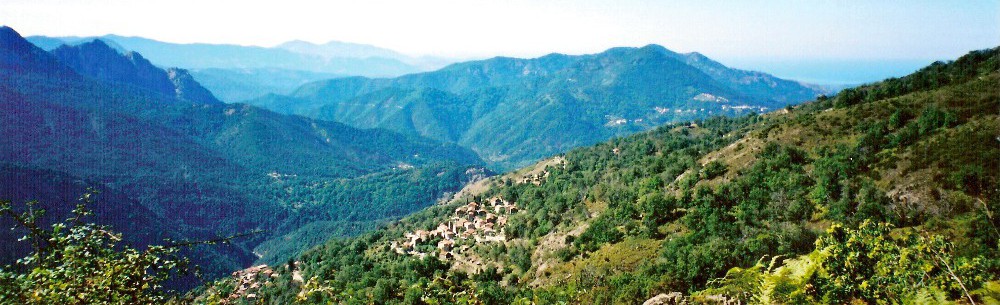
594 153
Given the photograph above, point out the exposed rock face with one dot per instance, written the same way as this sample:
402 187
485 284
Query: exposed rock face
186 88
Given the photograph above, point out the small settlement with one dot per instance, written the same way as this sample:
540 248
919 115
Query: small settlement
473 222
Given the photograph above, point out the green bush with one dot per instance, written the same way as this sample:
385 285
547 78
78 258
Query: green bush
75 262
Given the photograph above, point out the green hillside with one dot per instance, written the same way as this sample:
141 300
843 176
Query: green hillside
885 193
513 112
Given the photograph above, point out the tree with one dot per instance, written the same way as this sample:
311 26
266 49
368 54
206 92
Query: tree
713 169
76 262
868 264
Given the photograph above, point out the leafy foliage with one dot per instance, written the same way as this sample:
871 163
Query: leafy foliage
75 262
867 264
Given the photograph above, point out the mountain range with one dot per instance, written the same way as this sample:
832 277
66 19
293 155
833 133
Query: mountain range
332 57
181 164
94 112
513 111
276 69
630 176
541 106
240 85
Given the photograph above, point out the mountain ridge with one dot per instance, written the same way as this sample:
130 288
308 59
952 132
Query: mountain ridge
612 93
235 73
98 60
239 85
231 56
335 48
20 54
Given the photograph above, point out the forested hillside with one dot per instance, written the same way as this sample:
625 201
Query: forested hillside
170 164
513 112
885 193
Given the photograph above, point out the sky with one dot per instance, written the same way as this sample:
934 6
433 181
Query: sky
779 34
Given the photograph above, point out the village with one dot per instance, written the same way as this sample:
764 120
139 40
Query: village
473 222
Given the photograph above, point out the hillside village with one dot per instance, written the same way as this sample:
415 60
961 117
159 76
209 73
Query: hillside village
247 283
475 222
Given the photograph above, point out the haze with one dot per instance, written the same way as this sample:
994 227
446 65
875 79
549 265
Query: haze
767 35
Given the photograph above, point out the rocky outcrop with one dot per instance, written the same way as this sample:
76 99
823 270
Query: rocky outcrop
673 298
186 88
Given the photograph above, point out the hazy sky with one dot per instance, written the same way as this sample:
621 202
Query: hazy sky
735 31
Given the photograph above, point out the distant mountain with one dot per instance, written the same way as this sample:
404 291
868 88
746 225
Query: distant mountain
200 169
334 49
236 85
335 58
236 73
758 84
338 49
512 111
51 43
